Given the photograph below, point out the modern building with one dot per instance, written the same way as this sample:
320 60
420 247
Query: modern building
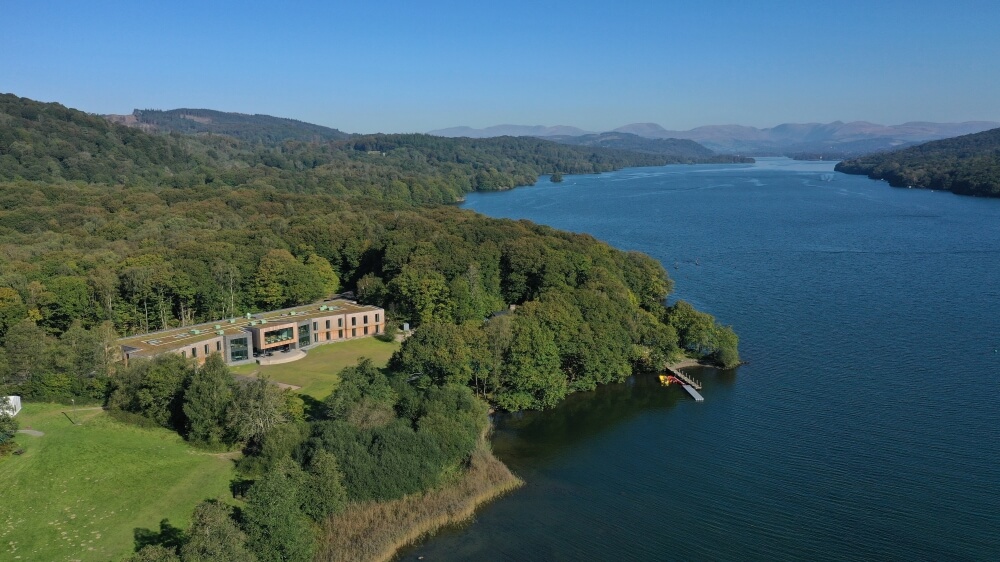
243 339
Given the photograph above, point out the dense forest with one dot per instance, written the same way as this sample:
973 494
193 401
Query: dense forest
107 231
967 165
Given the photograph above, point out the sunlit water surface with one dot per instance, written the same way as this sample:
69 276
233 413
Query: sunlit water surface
865 426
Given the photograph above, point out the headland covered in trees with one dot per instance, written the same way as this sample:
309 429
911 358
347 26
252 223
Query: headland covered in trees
107 230
967 165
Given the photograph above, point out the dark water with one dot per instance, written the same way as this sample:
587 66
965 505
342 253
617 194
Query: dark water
866 426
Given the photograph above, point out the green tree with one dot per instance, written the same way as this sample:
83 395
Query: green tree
274 523
257 407
214 536
530 377
324 493
154 389
364 398
206 399
8 429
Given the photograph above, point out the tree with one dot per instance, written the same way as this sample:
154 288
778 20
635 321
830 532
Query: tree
206 399
364 398
215 537
24 345
438 351
257 407
530 377
154 389
8 429
324 493
276 527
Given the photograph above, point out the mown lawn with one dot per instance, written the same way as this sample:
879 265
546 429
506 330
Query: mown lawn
79 491
317 372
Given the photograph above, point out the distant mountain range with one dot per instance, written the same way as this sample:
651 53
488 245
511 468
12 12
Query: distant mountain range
858 137
251 128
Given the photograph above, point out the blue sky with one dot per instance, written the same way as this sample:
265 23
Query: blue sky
365 66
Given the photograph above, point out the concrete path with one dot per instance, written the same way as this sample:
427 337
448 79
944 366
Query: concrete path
32 432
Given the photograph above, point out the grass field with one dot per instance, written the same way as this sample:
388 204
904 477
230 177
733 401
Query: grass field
79 491
317 372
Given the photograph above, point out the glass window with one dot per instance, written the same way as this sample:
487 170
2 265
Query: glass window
366 330
354 320
328 336
354 332
340 334
340 322
376 318
218 346
194 352
365 319
315 326
327 324
238 349
315 338
377 331
304 338
206 350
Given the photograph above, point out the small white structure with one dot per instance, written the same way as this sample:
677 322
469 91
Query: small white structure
10 405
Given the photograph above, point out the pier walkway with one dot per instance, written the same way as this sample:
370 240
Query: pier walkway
687 379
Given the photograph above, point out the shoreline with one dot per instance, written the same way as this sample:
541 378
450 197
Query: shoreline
377 531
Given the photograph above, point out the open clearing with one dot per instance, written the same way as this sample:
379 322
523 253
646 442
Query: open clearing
79 491
317 372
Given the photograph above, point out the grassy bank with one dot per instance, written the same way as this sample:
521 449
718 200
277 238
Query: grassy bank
317 372
377 530
79 491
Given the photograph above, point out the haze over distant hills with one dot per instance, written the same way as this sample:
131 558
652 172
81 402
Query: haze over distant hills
852 138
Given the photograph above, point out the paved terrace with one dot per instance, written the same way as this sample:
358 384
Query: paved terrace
154 343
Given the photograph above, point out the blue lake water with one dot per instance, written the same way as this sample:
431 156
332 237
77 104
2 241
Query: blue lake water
865 426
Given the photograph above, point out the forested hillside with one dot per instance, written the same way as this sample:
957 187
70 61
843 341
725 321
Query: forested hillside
107 231
967 165
253 129
48 142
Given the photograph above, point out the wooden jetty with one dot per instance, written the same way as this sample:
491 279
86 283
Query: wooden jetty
690 384
687 379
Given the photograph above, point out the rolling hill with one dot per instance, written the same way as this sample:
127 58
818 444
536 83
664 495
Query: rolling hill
967 165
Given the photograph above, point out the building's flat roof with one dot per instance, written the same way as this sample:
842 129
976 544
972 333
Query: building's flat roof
157 342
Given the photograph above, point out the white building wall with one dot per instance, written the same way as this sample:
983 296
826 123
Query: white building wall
10 405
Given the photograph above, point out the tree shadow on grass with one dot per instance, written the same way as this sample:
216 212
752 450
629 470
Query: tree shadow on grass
168 536
314 408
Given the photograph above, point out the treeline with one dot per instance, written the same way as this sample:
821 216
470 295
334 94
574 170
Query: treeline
51 143
376 437
967 165
252 129
83 263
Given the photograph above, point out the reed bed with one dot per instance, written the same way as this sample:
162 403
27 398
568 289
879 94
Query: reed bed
375 531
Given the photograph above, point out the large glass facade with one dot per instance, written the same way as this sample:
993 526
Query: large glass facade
304 335
238 349
278 336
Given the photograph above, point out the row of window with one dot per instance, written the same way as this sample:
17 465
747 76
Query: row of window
194 350
340 334
340 322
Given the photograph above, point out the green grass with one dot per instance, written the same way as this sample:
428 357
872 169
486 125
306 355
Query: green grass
317 372
79 491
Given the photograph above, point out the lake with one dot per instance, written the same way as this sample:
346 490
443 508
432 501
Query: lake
866 424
